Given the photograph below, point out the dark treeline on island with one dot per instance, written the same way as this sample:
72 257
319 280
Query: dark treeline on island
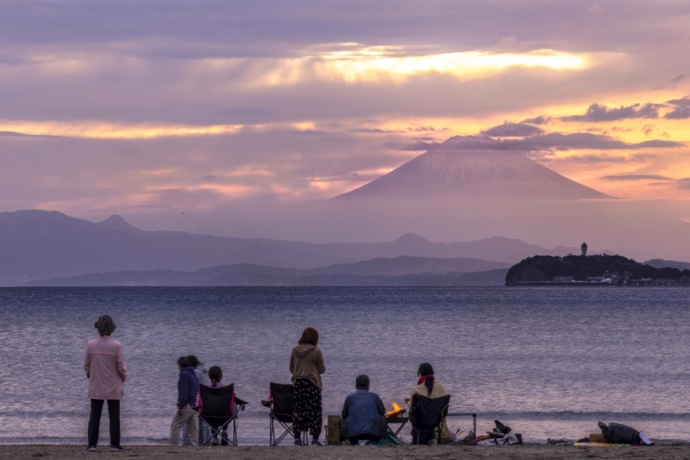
584 270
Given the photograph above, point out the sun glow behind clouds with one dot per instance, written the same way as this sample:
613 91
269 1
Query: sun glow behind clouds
354 63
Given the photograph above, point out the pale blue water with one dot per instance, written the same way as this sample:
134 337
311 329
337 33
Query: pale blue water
550 362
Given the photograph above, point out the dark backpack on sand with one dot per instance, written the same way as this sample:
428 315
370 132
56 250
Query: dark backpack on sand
617 433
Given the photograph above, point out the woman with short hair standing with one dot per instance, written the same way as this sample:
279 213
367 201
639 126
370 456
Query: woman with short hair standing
306 365
105 368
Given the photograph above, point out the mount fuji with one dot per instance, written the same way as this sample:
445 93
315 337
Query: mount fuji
473 167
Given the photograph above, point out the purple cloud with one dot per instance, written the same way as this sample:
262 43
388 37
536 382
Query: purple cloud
598 112
551 141
637 177
608 159
681 109
417 146
247 113
540 120
513 130
560 141
12 134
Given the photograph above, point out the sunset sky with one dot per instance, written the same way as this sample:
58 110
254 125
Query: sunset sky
170 106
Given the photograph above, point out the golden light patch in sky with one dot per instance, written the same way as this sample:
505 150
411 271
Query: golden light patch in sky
93 129
100 130
353 63
251 171
323 186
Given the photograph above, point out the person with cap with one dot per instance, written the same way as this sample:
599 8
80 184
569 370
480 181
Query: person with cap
105 368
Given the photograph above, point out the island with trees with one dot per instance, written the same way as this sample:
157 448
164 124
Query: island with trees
592 270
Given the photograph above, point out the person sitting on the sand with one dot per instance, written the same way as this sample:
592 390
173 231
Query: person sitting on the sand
363 414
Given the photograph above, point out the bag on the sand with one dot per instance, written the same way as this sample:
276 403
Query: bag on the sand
389 439
617 433
504 435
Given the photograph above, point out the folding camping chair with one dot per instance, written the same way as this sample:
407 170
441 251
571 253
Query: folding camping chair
281 402
218 409
427 417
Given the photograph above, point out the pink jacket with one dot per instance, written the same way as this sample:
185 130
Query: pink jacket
105 368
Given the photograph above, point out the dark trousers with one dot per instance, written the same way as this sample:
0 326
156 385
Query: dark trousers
95 421
422 437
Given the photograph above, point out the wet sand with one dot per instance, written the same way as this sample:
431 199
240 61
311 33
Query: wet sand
665 451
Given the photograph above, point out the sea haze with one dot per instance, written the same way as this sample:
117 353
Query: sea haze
549 362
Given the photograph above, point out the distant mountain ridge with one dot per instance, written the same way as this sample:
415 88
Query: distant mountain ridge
41 245
473 167
661 263
403 270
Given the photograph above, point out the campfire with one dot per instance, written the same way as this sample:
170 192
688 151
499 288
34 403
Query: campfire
397 411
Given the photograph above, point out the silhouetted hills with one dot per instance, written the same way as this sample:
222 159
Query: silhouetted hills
42 245
661 263
116 222
401 271
602 269
473 167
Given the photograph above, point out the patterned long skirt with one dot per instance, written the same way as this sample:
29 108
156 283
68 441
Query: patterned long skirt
308 414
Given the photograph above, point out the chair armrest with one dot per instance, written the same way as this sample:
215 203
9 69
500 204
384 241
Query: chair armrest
240 402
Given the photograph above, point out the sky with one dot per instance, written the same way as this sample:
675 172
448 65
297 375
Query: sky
159 108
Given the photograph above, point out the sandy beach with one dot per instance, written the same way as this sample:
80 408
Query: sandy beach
665 451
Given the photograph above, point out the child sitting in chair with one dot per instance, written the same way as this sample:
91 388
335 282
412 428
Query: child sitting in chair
215 374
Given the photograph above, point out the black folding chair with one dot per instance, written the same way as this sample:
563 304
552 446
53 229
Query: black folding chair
427 417
281 404
218 409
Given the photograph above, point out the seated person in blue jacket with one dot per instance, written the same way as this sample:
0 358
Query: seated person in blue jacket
363 414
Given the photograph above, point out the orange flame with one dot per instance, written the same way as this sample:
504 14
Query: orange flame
397 410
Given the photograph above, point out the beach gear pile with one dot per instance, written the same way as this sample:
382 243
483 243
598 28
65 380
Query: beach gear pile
501 435
616 434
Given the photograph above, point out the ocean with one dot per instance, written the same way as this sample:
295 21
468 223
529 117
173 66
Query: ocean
548 362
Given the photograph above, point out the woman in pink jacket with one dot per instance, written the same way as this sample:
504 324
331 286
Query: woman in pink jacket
106 371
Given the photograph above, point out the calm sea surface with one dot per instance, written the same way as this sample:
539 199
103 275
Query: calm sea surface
549 362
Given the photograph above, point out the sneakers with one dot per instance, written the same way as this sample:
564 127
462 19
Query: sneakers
116 449
315 442
92 449
298 442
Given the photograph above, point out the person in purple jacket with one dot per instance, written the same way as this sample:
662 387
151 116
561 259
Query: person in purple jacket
105 368
187 391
